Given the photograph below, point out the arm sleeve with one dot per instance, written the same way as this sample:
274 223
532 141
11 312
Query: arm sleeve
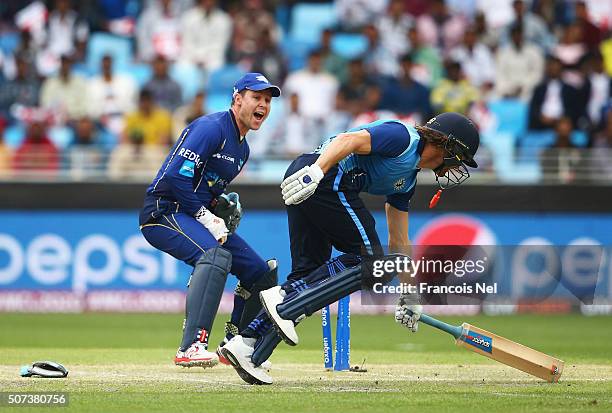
401 201
389 139
195 146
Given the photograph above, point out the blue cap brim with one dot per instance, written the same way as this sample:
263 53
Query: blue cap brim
276 92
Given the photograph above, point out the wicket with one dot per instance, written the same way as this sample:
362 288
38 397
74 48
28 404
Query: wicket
343 336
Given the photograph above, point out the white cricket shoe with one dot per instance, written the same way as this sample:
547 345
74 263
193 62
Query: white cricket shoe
197 355
238 352
270 298
266 365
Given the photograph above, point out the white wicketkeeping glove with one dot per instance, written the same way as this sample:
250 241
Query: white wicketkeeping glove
299 186
408 312
213 223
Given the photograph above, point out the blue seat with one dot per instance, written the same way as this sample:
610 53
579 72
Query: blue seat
217 102
140 72
9 42
61 136
222 80
14 135
511 114
579 138
101 44
190 77
349 45
308 21
531 145
296 52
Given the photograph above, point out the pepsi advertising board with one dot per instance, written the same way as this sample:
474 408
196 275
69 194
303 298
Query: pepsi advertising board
101 252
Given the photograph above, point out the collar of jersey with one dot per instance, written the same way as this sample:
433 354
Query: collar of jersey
240 137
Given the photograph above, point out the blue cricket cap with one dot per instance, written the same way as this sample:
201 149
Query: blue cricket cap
255 82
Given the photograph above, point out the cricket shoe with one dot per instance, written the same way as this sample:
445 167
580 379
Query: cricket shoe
238 352
197 355
266 365
270 298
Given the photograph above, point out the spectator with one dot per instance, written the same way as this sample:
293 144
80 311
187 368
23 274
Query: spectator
416 7
86 154
405 96
476 61
553 99
28 52
206 32
297 138
251 21
37 152
519 67
487 35
563 162
438 28
186 114
66 93
355 89
66 33
355 14
426 60
135 160
606 52
158 31
269 60
597 90
316 90
332 61
166 92
591 35
151 122
22 90
570 51
601 167
454 93
534 28
111 97
377 58
5 154
393 28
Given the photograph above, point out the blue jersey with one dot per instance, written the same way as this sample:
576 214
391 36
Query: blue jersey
208 155
390 168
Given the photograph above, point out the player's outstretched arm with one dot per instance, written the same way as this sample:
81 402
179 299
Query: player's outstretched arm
302 184
359 142
408 310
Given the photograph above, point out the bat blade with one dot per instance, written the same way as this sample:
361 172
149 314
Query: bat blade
510 353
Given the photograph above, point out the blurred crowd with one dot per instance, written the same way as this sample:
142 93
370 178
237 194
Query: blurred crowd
64 107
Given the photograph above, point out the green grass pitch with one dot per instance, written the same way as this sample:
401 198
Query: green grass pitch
122 363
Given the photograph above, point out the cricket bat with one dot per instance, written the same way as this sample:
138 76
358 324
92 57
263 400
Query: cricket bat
501 349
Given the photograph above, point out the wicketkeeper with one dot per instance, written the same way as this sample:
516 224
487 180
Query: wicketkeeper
187 215
321 191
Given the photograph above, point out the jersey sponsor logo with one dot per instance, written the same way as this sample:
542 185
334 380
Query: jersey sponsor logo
190 155
399 184
224 157
479 341
213 179
187 169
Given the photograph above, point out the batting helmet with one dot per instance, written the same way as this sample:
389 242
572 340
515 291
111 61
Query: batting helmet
460 146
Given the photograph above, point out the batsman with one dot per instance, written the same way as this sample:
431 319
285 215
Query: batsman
321 190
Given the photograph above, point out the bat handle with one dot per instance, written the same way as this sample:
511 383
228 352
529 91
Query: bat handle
455 331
